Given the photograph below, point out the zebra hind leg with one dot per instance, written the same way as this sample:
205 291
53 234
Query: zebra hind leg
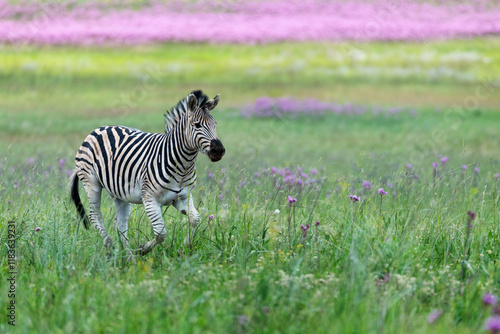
121 225
153 211
94 191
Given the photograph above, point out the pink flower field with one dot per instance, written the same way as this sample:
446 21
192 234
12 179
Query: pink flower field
249 22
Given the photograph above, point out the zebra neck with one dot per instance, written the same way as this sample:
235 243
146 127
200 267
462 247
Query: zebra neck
181 158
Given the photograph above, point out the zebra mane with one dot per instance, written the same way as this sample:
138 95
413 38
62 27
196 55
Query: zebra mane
173 115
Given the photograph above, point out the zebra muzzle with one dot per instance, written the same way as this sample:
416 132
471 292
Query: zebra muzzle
217 150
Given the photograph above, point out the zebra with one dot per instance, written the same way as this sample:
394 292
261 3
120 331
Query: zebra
152 169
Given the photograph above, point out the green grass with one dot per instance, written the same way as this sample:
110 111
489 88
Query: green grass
433 74
367 268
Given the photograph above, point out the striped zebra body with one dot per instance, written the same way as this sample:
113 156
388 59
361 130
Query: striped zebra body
149 168
125 161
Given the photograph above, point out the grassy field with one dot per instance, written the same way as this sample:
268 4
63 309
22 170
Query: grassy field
380 265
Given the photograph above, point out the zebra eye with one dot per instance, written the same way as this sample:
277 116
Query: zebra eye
197 125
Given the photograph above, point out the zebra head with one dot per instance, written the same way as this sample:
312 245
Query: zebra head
201 126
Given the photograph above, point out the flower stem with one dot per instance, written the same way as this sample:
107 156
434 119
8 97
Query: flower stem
466 245
290 227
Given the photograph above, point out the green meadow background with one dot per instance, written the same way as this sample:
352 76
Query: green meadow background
381 265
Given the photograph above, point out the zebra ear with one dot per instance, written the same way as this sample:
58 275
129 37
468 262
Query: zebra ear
211 104
192 102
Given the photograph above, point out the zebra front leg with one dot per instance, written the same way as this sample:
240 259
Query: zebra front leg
94 190
153 211
186 207
121 225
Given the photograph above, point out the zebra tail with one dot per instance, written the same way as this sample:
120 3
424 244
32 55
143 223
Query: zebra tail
75 196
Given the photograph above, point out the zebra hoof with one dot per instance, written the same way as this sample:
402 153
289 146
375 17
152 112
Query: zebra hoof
141 250
110 253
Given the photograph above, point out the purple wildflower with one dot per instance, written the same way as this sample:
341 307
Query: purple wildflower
220 196
476 170
492 324
464 167
435 166
489 299
367 184
256 175
316 224
497 175
409 166
291 200
30 161
289 179
471 214
444 160
304 229
354 198
210 175
297 21
61 164
314 171
382 192
38 229
434 315
211 217
274 170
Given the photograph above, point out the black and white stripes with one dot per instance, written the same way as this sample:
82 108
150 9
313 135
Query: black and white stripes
149 168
